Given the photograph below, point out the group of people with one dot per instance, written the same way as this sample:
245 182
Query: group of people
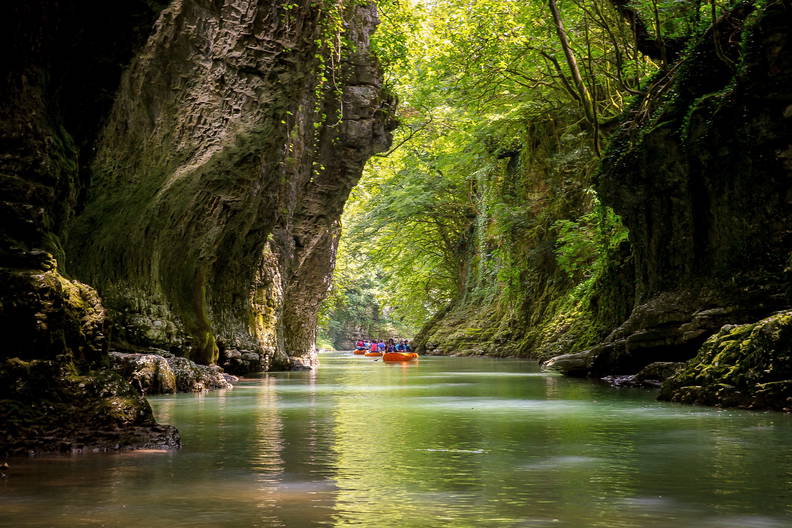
378 345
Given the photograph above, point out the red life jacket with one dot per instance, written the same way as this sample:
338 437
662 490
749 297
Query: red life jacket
373 347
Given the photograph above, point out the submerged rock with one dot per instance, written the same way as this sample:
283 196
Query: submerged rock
303 362
747 366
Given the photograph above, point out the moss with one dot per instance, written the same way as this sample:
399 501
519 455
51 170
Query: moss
51 405
741 366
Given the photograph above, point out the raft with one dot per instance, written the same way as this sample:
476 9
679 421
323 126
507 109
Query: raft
399 356
360 352
373 354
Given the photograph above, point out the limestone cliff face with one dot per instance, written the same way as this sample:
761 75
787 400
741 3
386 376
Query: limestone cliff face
220 176
701 175
171 174
703 183
61 63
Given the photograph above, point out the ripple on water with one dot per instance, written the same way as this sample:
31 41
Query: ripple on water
466 403
365 388
441 450
561 461
496 374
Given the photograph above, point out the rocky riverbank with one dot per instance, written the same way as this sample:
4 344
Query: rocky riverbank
748 366
164 373
52 406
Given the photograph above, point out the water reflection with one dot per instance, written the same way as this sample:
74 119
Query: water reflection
441 442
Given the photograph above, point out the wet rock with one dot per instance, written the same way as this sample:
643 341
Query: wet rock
747 366
671 328
650 376
576 365
241 361
149 373
309 362
191 377
51 406
158 374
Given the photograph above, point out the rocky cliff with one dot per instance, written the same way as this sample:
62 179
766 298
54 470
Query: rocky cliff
221 174
190 162
700 174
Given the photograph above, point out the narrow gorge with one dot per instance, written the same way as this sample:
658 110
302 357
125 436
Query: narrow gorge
611 200
608 196
396 263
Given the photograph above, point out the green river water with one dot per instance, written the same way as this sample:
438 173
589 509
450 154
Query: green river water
456 442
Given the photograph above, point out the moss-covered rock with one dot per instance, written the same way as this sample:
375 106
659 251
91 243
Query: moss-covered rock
149 373
192 377
700 174
746 366
51 406
61 65
199 193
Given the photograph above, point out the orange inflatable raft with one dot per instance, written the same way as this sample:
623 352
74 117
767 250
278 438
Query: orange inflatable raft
373 354
399 356
360 352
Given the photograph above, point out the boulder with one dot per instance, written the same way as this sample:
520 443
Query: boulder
149 373
241 362
576 365
748 366
651 376
157 374
191 377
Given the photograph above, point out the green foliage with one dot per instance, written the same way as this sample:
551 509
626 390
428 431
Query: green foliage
485 200
358 305
584 245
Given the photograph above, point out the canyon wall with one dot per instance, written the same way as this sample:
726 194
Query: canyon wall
189 161
699 174
221 174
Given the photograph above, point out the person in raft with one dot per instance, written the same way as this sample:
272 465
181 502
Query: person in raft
373 345
407 347
381 346
400 346
360 345
391 345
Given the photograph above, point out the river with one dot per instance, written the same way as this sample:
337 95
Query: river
456 442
